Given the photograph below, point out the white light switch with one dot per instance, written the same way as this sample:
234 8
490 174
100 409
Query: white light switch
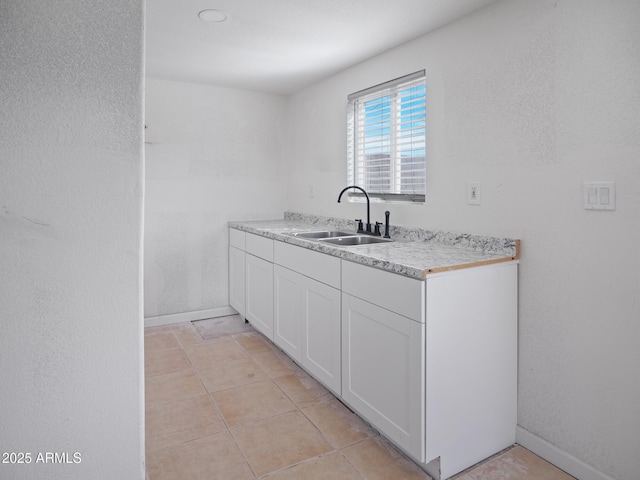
599 196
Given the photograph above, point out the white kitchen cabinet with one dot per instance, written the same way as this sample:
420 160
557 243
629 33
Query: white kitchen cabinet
307 311
431 364
383 352
237 280
321 349
259 283
388 290
383 356
259 294
288 324
260 247
471 364
237 270
442 384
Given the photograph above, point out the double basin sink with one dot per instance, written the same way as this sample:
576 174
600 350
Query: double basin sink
335 237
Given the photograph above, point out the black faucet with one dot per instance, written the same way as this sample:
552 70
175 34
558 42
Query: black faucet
368 227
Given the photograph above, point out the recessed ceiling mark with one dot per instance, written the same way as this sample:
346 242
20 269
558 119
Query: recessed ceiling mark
213 16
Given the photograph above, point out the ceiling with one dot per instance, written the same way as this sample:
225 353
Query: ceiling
282 46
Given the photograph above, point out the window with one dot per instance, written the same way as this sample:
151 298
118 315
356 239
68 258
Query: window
386 134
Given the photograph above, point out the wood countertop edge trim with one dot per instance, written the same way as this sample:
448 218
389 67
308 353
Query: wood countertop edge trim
468 265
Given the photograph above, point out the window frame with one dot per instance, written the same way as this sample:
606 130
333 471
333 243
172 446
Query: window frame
356 101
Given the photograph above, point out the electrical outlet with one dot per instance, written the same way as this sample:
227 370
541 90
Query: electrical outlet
473 193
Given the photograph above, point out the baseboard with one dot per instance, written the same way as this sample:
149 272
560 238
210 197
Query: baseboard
559 458
188 316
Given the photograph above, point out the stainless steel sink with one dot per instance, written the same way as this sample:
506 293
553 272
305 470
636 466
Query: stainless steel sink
355 240
322 234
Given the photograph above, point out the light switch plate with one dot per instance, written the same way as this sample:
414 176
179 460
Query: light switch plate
599 195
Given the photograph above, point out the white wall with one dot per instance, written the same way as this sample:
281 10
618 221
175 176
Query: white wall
213 154
71 188
530 98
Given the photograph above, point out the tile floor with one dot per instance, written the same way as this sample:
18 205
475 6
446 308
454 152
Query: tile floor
224 403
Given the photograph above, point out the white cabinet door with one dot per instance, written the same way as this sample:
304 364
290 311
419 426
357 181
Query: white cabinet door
307 324
259 294
322 349
288 323
237 280
382 371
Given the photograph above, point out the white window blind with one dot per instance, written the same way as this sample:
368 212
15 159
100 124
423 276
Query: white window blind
386 129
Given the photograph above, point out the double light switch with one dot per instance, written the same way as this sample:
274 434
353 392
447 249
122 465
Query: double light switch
599 196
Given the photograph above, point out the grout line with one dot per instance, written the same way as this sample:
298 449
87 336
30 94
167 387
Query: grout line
235 441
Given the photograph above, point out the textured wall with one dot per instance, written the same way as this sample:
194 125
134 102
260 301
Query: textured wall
530 98
212 155
71 180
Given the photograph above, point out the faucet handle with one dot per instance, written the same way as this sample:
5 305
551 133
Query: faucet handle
360 227
377 229
386 224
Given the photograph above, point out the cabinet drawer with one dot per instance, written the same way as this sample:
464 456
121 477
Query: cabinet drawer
259 246
394 292
319 266
236 238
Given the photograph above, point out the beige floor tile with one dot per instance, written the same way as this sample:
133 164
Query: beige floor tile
231 373
183 415
301 388
277 442
155 340
214 351
166 360
516 463
339 424
158 329
216 457
286 423
328 467
154 442
188 335
253 342
251 402
172 387
276 363
376 459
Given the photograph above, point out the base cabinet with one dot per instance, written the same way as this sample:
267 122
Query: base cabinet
383 371
471 365
237 280
431 364
288 311
237 271
259 294
307 324
321 353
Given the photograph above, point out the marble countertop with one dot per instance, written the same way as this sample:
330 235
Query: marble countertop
414 252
